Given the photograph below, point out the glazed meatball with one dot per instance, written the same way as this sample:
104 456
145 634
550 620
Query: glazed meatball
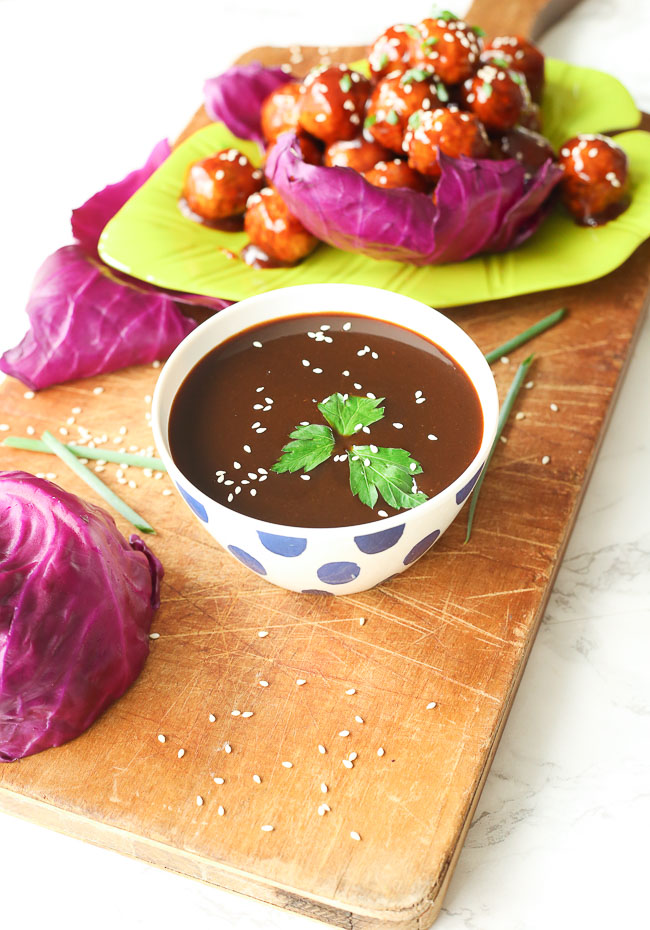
594 187
449 130
529 148
219 186
391 51
361 153
332 103
396 98
280 110
531 117
521 55
497 96
272 228
395 173
309 148
450 46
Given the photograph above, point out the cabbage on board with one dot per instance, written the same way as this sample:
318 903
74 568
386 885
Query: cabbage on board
76 603
236 97
480 205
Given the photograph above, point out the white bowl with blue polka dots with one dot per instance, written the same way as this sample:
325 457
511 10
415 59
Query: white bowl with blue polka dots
339 560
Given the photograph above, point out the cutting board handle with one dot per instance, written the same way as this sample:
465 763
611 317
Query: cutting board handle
529 18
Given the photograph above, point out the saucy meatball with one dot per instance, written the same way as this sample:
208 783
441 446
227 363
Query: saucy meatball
395 173
529 148
448 130
523 56
332 103
531 117
450 46
219 186
361 153
391 51
309 148
276 231
594 187
396 98
497 96
280 110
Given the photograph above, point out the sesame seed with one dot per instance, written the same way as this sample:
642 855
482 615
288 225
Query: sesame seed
554 407
154 635
347 763
354 835
199 801
431 705
528 385
362 620
398 425
359 719
235 713
357 385
162 738
382 513
227 748
321 749
301 681
263 684
98 390
263 633
381 751
218 780
306 477
504 360
247 713
30 430
211 718
253 492
257 779
351 691
76 410
257 344
180 753
546 459
520 415
288 765
431 436
353 756
420 400
344 732
323 787
267 828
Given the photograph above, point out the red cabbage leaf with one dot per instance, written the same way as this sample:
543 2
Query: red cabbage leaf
480 206
236 97
76 604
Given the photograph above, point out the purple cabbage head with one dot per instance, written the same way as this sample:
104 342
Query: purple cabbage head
236 97
76 603
480 206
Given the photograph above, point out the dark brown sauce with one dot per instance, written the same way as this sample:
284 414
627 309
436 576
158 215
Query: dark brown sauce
258 258
612 212
227 224
214 420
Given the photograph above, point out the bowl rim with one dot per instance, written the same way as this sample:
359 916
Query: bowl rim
216 322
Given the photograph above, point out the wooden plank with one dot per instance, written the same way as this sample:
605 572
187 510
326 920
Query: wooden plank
456 628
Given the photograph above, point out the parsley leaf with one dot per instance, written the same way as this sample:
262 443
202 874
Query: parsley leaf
312 445
388 472
348 414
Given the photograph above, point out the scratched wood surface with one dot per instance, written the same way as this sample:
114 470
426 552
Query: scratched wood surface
455 629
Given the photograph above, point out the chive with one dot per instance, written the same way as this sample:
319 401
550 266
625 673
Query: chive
478 31
499 62
447 15
108 455
392 117
345 83
441 92
370 120
415 119
383 60
411 31
414 74
94 482
487 89
432 40
527 334
504 413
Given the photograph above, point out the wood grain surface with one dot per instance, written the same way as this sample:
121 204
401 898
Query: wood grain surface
455 629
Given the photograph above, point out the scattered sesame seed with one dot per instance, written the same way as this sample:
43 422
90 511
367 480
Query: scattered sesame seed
155 364
166 492
546 459
351 691
263 633
301 681
348 764
431 705
154 635
504 360
247 713
431 436
362 620
554 407
306 362
29 395
528 385
257 344
288 765
353 756
220 810
317 371
218 780
321 749
263 684
4 427
199 801
344 732
257 779
347 326
30 430
211 718
381 751
76 410
227 748
520 415
235 713
354 835
359 719
98 390
181 753
162 738
420 400
323 787
306 477
398 425
267 828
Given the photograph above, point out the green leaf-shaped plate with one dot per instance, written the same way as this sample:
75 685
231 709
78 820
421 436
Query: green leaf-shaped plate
150 239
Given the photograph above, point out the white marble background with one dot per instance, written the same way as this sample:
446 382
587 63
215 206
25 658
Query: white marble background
559 839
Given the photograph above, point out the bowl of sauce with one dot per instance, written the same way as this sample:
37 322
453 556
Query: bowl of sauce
254 416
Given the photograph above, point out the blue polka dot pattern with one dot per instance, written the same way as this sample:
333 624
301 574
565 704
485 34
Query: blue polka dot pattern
247 560
338 572
288 546
421 547
316 591
379 542
464 493
196 506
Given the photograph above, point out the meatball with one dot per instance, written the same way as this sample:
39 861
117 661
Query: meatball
521 55
396 98
449 130
531 117
332 103
280 110
529 148
594 187
391 51
497 96
395 173
450 46
309 148
219 186
360 153
272 228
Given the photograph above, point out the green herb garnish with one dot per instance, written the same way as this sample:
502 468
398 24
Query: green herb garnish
411 31
374 470
525 336
345 83
478 31
389 472
447 15
383 60
94 482
347 415
486 90
370 120
392 117
431 41
83 452
517 77
499 62
504 413
415 74
415 119
441 92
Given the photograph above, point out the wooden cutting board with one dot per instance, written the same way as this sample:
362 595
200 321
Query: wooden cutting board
455 629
